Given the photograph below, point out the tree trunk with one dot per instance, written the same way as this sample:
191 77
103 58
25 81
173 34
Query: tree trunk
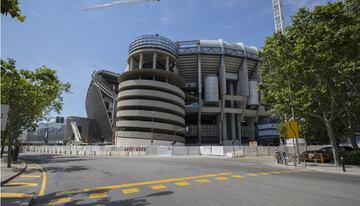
3 144
334 146
9 157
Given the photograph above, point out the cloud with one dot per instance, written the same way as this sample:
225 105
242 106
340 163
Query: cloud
226 26
34 13
166 17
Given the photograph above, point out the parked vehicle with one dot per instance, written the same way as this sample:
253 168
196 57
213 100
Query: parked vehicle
324 154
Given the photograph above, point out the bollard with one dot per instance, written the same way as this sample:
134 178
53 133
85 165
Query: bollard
342 163
322 158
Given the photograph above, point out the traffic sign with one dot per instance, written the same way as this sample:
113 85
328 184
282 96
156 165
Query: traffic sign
292 129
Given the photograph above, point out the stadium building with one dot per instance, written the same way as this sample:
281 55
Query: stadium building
207 86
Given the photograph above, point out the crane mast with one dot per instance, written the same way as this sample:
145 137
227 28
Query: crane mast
118 2
278 15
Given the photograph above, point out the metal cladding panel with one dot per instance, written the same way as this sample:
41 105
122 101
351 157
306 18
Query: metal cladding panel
253 97
211 89
95 109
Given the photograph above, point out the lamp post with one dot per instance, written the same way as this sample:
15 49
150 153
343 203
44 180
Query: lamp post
303 120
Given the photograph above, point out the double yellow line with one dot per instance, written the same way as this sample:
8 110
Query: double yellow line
43 184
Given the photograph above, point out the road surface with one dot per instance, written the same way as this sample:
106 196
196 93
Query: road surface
207 181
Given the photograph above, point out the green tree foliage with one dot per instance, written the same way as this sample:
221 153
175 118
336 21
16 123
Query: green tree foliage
31 95
12 7
318 60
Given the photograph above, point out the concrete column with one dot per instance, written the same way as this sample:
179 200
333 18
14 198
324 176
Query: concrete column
200 94
131 64
167 66
239 122
154 60
222 78
141 61
219 123
224 128
243 82
232 115
251 127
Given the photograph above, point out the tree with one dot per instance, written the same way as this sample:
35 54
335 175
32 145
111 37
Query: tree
31 96
12 7
317 60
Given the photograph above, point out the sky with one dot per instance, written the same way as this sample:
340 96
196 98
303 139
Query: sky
60 35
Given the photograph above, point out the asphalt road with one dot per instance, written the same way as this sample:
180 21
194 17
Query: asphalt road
187 181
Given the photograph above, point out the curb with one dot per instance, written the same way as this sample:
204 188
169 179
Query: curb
12 177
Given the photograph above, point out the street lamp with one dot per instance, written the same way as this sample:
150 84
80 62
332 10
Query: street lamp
303 120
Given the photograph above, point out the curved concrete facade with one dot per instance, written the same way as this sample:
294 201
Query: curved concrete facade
150 101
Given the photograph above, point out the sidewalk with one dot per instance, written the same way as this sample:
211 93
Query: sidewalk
325 167
8 174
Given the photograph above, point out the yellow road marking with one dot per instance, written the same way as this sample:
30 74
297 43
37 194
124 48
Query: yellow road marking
181 184
251 174
131 190
158 187
43 184
30 176
275 172
153 182
203 181
98 195
221 178
263 173
14 195
237 176
22 184
59 201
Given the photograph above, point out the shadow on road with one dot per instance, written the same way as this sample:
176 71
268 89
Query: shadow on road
46 159
137 201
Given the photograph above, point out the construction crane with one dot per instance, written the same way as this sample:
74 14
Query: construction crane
118 2
278 15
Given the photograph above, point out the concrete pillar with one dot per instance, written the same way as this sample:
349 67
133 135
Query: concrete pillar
154 60
224 128
200 94
239 122
131 64
219 123
167 67
251 127
232 115
222 78
141 61
243 82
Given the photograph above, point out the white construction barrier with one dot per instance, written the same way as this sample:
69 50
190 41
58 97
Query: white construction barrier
217 150
205 150
180 151
164 150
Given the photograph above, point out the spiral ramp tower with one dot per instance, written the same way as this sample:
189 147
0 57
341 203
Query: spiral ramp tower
150 101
